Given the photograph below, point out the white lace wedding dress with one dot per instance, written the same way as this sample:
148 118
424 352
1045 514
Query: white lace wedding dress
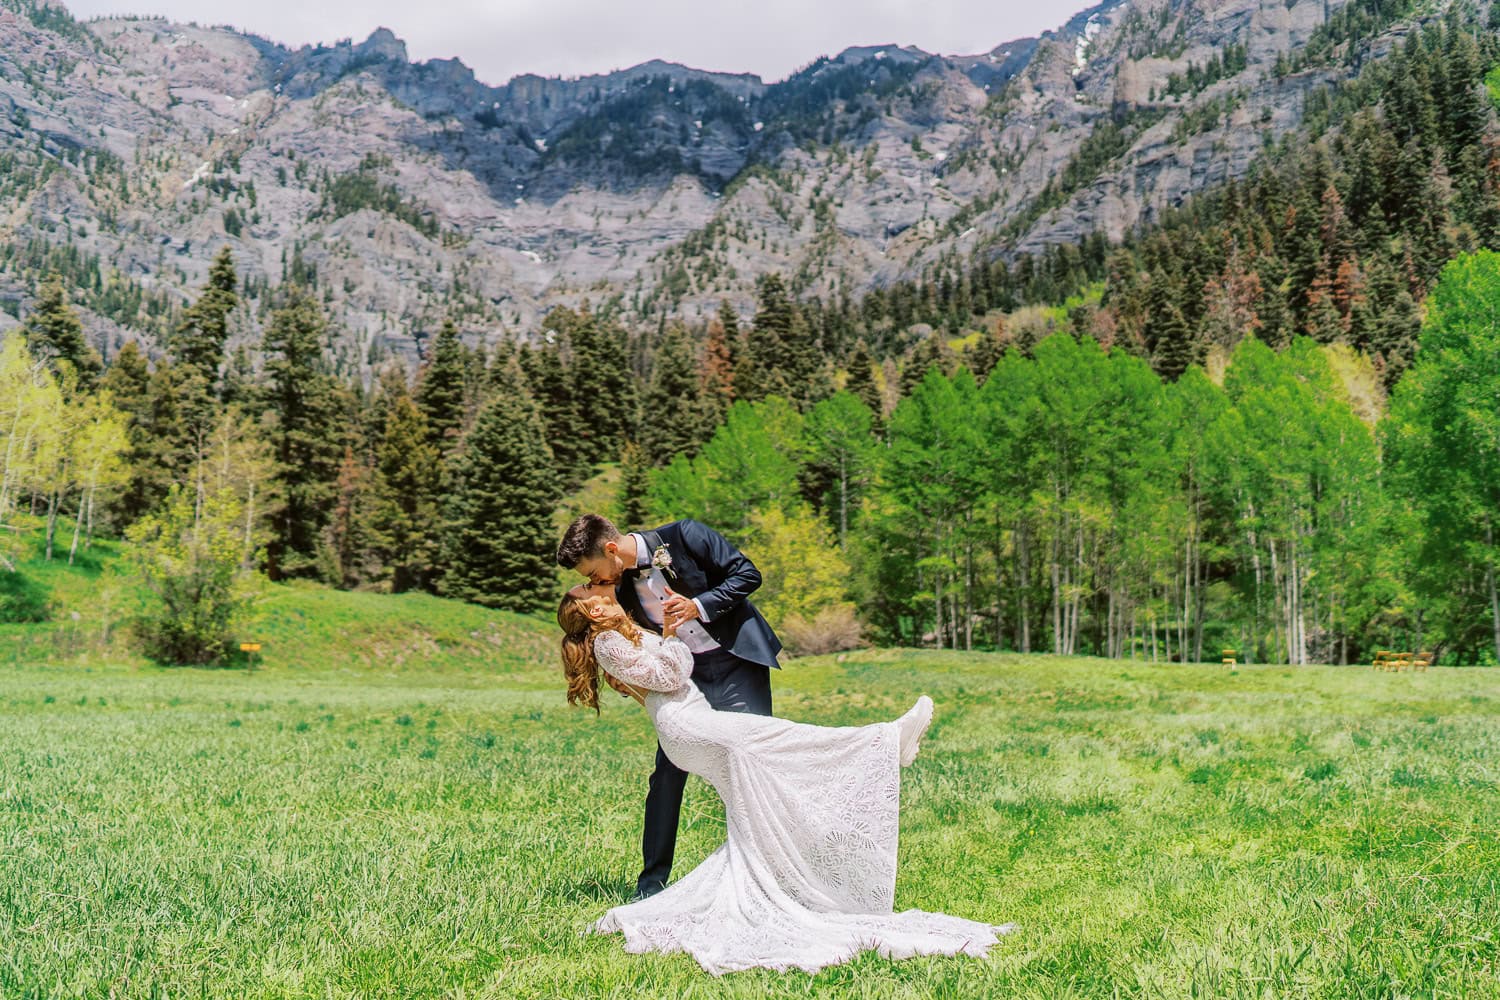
807 876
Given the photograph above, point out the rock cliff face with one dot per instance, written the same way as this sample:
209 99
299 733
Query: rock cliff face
136 148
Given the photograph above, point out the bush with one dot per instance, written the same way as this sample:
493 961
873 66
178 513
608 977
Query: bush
22 599
832 630
192 564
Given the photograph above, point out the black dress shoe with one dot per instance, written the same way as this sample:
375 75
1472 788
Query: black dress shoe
646 892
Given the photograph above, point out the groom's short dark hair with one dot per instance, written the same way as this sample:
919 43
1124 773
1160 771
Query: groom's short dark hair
585 539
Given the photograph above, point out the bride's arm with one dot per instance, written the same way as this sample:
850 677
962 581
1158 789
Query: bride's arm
628 690
665 667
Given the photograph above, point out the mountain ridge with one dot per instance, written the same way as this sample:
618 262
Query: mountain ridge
414 190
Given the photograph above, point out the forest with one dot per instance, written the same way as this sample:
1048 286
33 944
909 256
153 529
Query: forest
1264 422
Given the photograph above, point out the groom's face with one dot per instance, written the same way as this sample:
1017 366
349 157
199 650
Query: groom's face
603 570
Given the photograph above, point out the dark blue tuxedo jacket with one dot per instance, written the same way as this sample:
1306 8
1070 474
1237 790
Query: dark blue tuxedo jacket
707 567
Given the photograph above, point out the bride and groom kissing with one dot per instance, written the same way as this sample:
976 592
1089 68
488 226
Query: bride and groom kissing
806 877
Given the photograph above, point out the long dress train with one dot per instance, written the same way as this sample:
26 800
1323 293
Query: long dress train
807 876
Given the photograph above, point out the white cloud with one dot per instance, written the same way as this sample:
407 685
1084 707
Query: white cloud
770 38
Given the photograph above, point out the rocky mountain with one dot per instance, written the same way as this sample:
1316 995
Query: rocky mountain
132 149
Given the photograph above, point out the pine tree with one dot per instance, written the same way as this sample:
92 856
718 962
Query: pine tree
671 411
238 387
128 382
346 528
499 534
547 381
1176 349
930 352
720 358
632 506
601 379
440 391
404 495
986 354
54 335
200 337
305 436
761 372
861 382
784 357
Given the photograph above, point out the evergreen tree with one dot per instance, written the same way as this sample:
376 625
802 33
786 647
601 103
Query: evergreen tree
861 382
1175 349
200 337
603 383
783 356
305 435
929 353
440 391
720 359
347 539
632 504
404 495
499 534
762 371
54 335
671 410
128 382
238 386
548 383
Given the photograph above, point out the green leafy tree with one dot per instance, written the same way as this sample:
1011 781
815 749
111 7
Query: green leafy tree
840 455
189 558
1443 447
805 573
749 465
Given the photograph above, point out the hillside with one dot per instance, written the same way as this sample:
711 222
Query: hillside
132 149
301 627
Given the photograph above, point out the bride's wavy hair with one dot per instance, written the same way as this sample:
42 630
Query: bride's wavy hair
580 666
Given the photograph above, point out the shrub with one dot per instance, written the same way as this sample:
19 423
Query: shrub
191 560
22 599
832 630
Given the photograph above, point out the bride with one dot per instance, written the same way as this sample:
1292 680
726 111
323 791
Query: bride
807 876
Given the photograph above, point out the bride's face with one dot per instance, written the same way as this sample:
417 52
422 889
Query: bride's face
596 601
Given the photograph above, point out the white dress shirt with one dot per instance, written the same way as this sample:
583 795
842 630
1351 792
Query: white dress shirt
651 587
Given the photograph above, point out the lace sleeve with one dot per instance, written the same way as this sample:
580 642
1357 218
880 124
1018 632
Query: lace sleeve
656 667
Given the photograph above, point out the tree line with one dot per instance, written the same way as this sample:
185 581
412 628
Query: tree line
1153 449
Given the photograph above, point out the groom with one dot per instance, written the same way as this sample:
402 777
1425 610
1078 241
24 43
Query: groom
687 574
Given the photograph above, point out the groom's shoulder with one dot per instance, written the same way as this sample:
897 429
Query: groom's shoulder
686 530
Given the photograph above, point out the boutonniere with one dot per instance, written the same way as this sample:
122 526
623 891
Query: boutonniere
662 559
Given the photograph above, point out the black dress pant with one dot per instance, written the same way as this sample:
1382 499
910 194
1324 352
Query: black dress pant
731 685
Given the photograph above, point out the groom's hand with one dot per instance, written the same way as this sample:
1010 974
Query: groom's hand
676 609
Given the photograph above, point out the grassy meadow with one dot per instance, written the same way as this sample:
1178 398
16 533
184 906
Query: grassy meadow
399 804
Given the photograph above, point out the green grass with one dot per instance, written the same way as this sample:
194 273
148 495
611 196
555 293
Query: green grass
445 826
399 804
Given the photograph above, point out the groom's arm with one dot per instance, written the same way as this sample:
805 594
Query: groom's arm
711 549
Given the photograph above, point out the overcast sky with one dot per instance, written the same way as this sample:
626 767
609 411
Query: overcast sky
499 39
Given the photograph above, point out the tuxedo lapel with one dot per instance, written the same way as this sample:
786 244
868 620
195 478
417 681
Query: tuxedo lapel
674 576
631 601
